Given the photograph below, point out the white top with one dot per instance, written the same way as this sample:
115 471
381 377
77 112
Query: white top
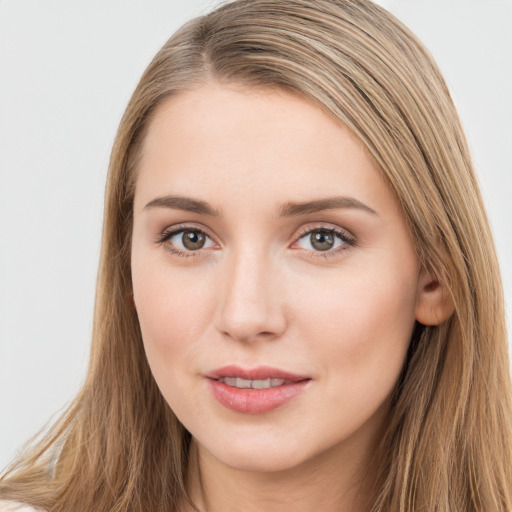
11 506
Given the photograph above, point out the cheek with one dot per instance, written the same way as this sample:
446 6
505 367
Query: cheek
361 324
360 333
174 310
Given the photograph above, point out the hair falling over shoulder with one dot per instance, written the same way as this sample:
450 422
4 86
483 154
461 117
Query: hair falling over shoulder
448 444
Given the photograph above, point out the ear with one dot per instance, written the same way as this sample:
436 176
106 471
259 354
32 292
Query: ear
434 303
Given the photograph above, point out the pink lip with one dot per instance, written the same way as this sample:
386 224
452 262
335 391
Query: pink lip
255 401
258 373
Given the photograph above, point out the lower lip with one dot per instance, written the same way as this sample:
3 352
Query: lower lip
255 401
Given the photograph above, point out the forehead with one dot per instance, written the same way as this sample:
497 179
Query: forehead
227 141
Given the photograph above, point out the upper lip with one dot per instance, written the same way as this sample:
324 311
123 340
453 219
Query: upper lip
257 373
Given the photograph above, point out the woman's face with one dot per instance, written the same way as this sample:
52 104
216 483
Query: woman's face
269 251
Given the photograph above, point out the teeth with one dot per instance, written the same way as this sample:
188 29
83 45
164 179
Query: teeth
240 383
260 384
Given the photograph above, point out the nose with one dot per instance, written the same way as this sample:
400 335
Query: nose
251 299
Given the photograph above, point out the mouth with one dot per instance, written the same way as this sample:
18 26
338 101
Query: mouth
259 375
238 382
254 391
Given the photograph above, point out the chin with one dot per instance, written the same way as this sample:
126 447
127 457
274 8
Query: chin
261 463
260 457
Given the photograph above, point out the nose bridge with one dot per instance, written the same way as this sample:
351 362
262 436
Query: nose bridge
249 305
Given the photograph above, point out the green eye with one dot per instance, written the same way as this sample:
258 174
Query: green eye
322 239
188 240
193 240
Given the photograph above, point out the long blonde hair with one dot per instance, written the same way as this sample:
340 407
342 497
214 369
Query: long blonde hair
448 443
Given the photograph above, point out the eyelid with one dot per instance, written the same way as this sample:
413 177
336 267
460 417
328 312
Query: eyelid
347 237
304 230
166 234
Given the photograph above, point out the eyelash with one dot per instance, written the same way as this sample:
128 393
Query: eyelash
347 240
168 233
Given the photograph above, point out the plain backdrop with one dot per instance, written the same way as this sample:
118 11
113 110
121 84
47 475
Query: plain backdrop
67 70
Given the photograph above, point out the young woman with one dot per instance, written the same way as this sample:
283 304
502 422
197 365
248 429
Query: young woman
299 305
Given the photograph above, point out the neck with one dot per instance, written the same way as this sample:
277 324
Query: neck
336 481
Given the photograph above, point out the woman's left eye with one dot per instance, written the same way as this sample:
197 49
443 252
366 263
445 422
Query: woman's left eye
324 240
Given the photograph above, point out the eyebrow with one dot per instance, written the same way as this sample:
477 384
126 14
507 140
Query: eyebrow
289 209
183 203
330 203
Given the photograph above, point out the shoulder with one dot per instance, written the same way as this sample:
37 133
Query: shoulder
11 506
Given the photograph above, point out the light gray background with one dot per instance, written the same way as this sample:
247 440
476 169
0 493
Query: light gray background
67 69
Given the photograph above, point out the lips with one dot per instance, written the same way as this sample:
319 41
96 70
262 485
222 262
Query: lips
259 373
256 390
240 383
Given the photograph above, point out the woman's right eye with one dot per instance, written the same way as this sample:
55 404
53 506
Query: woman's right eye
186 240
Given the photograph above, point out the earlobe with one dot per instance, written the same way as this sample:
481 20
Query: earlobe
434 304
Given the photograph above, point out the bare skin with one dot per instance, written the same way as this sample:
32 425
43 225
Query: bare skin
322 485
265 236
